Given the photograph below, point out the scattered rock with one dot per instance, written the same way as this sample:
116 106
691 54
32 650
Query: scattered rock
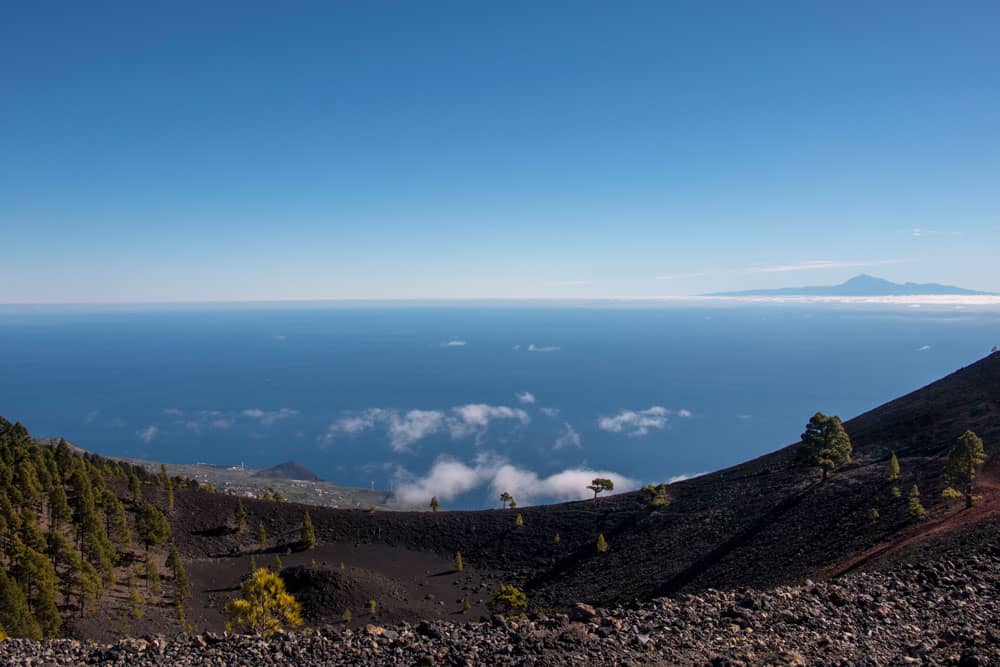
582 613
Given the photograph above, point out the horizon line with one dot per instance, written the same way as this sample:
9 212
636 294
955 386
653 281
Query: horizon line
934 299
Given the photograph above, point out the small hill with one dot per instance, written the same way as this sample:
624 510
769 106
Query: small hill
862 285
289 470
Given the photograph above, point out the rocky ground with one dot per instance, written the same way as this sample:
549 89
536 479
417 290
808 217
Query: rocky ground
945 611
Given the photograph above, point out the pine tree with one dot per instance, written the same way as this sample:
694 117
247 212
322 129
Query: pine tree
117 521
64 459
602 544
153 586
557 539
435 505
15 616
261 533
893 473
600 485
459 564
915 508
181 613
965 456
89 586
59 511
152 526
825 443
27 482
170 496
519 521
265 607
240 515
347 615
372 605
135 488
873 515
31 534
38 579
135 598
182 588
308 533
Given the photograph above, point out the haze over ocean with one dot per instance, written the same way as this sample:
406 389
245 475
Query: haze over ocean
460 400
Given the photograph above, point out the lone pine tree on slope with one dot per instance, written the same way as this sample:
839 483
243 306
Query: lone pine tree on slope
965 456
825 443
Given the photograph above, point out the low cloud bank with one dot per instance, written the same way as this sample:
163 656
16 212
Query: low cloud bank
449 478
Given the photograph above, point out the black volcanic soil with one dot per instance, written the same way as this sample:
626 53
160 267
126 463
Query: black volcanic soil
942 611
764 523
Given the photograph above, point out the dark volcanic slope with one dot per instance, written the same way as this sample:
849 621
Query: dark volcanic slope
937 612
762 523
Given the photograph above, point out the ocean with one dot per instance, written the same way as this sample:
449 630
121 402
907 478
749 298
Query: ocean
463 401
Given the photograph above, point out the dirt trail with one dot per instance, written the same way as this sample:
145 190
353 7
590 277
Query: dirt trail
987 486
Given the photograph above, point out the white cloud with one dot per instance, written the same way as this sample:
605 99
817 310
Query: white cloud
363 422
453 343
173 412
475 418
543 348
526 397
354 424
222 423
812 265
684 413
148 434
268 417
414 425
567 438
549 412
635 423
923 348
684 476
449 478
404 429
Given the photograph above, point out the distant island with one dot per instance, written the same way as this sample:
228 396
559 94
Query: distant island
861 285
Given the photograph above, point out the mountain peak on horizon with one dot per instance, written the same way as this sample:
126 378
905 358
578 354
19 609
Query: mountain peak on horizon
862 284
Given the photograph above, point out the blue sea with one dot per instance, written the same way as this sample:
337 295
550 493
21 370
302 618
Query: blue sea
462 401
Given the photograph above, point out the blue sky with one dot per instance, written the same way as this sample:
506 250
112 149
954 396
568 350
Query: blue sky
214 151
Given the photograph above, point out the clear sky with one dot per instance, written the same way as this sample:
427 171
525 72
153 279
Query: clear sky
215 151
